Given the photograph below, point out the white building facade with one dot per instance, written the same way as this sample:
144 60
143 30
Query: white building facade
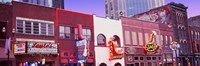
105 28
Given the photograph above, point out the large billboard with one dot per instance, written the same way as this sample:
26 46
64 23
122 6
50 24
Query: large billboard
42 48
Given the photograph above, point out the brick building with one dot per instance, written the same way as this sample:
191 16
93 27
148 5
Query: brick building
172 18
136 35
68 31
44 35
194 26
5 21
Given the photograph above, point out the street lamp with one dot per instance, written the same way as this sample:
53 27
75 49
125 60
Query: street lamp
175 46
8 41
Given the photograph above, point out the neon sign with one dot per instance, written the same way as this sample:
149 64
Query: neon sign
42 48
151 47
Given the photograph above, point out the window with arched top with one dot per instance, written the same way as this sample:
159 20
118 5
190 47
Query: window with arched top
102 64
117 39
101 40
117 64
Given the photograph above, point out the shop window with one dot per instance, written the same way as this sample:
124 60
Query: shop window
129 58
149 64
136 58
153 58
141 58
148 58
137 64
141 64
101 40
130 64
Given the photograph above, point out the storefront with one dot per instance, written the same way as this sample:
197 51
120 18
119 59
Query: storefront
33 53
139 59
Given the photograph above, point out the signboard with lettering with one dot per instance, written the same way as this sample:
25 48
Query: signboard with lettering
19 47
42 48
82 50
151 47
115 52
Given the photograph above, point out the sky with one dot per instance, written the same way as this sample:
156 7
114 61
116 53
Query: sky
97 7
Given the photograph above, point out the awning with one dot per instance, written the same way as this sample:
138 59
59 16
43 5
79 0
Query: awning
4 56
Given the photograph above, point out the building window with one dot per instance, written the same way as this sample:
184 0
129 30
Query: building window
148 58
117 39
146 37
28 27
50 29
64 32
86 33
162 39
101 40
170 38
127 37
136 58
166 40
141 58
47 3
157 39
35 27
140 38
20 26
153 58
43 28
134 38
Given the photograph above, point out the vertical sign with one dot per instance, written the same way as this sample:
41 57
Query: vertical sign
81 50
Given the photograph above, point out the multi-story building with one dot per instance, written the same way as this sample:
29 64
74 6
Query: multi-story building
128 8
47 37
34 41
46 3
172 17
137 35
105 30
194 25
70 25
